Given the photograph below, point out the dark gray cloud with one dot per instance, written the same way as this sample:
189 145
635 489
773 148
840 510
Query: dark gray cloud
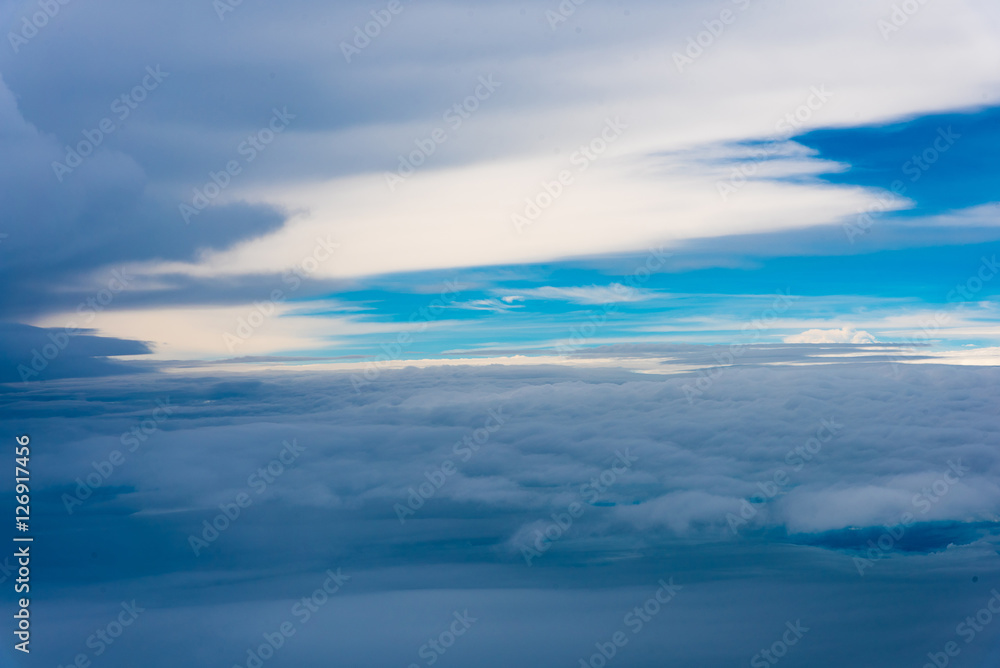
226 76
37 353
102 213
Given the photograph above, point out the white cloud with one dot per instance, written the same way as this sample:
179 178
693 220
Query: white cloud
214 332
592 294
495 305
649 188
842 335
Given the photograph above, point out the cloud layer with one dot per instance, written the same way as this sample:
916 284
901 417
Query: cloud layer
494 455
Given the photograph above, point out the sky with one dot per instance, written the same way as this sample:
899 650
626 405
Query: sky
803 149
706 231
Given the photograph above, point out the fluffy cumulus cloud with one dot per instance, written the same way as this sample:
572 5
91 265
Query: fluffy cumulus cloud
504 481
